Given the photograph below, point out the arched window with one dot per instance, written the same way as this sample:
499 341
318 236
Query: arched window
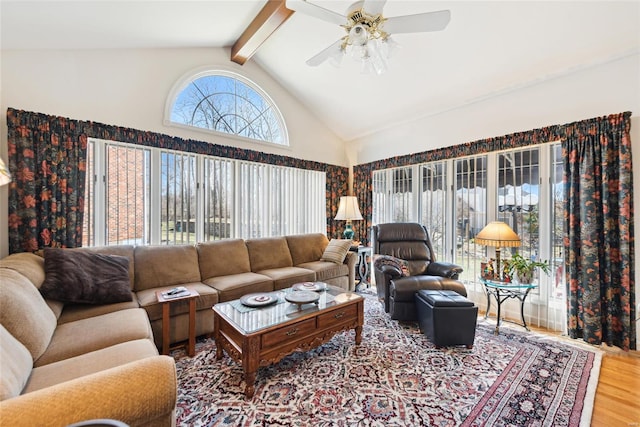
226 102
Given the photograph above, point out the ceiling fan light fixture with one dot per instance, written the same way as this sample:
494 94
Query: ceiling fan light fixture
368 33
358 35
376 57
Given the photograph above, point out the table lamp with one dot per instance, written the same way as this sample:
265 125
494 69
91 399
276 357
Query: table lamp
348 211
498 234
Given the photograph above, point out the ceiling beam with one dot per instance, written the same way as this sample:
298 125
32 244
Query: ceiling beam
266 22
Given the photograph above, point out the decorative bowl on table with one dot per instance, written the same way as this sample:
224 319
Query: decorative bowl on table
310 286
259 299
302 297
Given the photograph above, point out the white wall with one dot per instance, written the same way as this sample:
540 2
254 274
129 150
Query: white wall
599 90
130 87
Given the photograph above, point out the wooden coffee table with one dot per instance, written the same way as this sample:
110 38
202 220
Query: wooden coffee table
262 336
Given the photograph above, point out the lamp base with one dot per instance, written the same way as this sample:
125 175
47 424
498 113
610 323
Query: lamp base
348 232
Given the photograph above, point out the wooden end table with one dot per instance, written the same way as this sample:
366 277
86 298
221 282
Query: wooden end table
166 305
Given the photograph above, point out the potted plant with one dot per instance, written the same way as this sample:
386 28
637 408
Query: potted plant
525 268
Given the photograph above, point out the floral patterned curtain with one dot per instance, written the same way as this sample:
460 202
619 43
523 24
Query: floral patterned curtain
599 241
46 198
47 157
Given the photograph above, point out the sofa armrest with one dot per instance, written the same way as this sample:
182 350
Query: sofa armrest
444 269
351 259
134 393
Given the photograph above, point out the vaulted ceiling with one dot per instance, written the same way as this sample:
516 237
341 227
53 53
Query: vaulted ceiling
487 49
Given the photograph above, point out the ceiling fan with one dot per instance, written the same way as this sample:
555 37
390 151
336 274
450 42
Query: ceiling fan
368 37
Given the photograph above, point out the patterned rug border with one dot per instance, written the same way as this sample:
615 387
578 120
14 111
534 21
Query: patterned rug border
594 373
397 378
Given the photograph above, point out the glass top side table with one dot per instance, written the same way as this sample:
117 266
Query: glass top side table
502 291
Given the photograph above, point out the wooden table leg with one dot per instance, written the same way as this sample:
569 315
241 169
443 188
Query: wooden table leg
250 386
165 328
192 328
216 335
358 335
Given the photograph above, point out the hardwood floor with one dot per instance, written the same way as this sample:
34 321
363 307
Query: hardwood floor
617 401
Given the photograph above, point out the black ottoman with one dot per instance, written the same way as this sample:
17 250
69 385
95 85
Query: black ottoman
446 317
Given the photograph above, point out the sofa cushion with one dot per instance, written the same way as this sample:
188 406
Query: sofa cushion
288 276
97 333
73 312
24 312
32 267
85 277
149 301
336 251
236 285
171 265
15 367
120 250
89 363
222 258
269 252
326 270
28 264
306 247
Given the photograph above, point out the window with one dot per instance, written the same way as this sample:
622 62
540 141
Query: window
394 192
140 195
471 214
433 205
226 102
178 205
457 197
218 198
117 198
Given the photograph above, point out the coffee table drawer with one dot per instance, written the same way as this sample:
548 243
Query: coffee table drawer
336 317
288 333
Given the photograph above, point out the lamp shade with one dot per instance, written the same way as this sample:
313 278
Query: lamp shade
5 176
498 234
348 209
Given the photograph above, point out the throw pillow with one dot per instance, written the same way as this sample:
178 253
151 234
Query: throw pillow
336 251
85 277
401 264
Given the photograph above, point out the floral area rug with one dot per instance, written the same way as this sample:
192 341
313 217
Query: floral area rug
396 377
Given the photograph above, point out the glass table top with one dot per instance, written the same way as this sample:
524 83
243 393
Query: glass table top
252 319
507 285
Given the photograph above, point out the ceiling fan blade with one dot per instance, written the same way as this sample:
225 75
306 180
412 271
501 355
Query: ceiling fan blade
422 22
373 7
334 49
316 11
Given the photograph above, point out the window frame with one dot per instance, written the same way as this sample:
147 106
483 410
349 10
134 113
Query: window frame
545 304
305 213
183 82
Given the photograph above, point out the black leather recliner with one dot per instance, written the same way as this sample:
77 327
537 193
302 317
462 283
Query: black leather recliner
409 242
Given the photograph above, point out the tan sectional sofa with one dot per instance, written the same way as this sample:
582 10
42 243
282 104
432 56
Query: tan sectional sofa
70 360
64 364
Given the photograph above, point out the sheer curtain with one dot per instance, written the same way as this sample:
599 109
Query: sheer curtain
599 231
